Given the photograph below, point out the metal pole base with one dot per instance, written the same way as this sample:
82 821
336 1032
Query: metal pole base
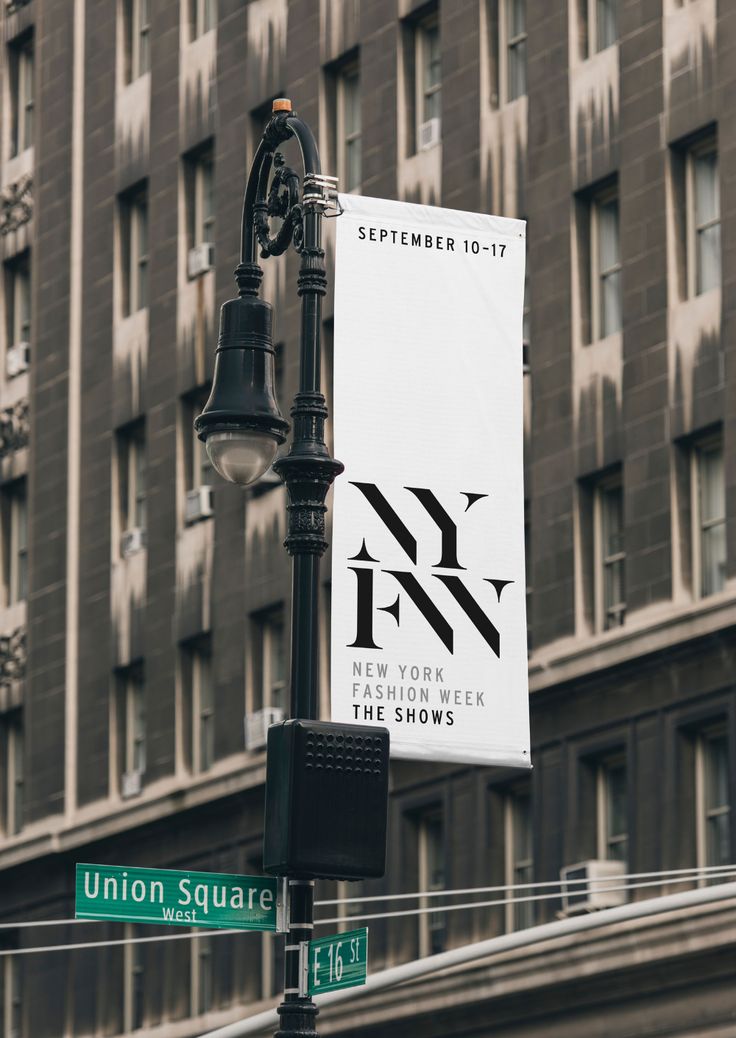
297 1019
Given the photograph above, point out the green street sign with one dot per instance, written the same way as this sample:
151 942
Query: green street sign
340 961
169 896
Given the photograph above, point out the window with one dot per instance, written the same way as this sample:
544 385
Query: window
703 218
431 859
268 660
15 541
11 997
18 300
21 95
131 444
514 44
202 17
12 747
428 81
602 24
268 980
605 258
713 810
201 699
348 127
131 706
519 857
199 172
202 974
350 893
134 250
137 38
134 982
609 554
709 509
612 808
198 471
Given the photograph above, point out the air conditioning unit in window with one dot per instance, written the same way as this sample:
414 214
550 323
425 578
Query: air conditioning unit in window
257 724
199 504
428 135
131 783
17 359
591 889
132 541
200 259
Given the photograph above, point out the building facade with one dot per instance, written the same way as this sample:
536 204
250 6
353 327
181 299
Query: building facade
144 609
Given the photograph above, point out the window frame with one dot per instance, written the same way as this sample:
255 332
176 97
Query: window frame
201 956
423 28
697 152
137 39
349 72
706 735
202 18
135 722
128 730
22 93
134 994
203 709
200 167
599 274
606 840
269 691
18 312
270 979
15 541
13 779
11 986
197 468
134 250
430 923
509 45
515 911
707 445
132 473
604 561
595 23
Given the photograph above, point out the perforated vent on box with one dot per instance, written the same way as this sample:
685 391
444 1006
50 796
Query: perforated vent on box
359 754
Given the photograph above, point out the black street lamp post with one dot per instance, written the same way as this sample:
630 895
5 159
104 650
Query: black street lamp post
242 429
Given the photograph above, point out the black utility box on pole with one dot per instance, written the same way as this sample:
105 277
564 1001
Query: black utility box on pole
326 800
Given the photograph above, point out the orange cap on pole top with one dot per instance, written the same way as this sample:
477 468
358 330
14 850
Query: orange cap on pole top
281 104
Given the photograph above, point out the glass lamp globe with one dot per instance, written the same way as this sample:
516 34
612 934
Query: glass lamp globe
241 456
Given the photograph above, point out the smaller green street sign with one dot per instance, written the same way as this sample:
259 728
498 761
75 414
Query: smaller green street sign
177 898
340 961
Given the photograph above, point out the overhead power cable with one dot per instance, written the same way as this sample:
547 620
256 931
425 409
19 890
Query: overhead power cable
704 872
433 909
695 872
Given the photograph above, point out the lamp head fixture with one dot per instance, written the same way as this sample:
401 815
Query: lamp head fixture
241 424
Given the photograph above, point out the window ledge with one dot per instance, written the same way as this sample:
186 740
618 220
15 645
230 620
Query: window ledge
20 165
646 631
109 817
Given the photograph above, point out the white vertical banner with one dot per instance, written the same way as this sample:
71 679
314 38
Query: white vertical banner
428 582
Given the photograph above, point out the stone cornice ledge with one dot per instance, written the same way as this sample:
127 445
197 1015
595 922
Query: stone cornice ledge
652 630
612 952
111 817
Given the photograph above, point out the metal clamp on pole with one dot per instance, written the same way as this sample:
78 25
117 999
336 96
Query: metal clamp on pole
320 192
282 905
304 969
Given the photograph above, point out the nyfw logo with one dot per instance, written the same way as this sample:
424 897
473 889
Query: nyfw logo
428 597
